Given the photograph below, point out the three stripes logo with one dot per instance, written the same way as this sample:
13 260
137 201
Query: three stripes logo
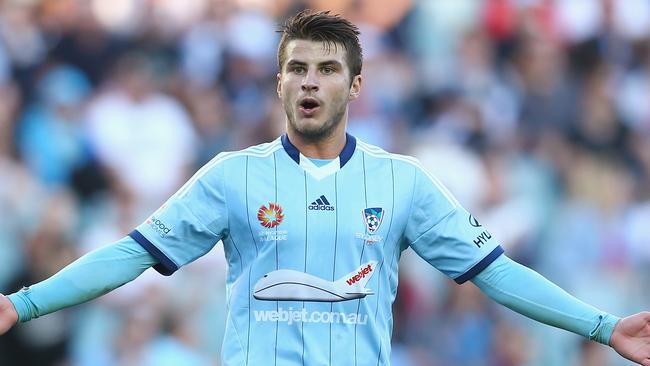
321 204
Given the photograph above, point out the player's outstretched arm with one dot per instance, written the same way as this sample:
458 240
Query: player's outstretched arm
631 338
90 276
8 314
529 293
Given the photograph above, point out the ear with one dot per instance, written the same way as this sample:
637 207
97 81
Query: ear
279 86
355 88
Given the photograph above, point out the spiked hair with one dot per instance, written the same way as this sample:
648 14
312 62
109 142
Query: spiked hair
333 30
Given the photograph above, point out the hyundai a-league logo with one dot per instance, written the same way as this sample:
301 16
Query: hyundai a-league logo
271 216
373 217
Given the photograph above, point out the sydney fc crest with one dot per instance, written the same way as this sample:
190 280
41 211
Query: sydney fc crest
373 217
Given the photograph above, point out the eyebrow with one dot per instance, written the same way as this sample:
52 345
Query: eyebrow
323 63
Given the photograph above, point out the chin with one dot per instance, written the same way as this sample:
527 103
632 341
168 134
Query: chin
313 131
310 124
315 128
307 125
313 134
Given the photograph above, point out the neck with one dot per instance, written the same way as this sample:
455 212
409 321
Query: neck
329 147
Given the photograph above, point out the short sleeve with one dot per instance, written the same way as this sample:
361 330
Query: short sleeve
444 234
189 224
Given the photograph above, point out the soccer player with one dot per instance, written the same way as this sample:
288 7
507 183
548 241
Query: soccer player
313 225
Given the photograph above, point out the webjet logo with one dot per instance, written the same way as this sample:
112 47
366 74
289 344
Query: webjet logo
290 285
365 271
291 316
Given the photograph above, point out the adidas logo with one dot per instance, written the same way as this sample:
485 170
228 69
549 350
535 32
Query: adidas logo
321 204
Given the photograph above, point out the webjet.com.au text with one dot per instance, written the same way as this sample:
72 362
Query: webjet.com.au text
303 316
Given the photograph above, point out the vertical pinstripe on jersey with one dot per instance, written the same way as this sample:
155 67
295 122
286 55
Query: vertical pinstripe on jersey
365 197
241 260
241 264
248 217
277 258
383 258
248 212
302 324
250 269
336 240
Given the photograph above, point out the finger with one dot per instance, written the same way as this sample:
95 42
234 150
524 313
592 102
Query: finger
646 362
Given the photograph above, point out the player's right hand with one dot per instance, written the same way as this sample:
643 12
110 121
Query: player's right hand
8 314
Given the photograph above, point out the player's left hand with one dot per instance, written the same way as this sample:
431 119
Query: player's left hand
8 314
631 338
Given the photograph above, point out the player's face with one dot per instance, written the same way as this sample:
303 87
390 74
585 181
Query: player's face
315 89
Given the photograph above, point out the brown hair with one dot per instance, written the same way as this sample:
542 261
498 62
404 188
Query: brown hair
324 27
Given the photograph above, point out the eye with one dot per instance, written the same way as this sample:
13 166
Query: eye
327 70
298 69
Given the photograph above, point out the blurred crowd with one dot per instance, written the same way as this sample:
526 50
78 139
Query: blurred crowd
535 113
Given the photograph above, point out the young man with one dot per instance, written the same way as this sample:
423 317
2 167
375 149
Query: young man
313 225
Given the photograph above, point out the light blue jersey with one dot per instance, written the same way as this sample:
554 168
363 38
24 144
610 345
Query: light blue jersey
313 251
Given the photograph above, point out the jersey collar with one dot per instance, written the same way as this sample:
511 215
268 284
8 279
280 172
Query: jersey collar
344 157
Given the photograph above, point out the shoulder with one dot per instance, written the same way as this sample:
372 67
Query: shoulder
408 166
257 151
400 160
231 158
213 171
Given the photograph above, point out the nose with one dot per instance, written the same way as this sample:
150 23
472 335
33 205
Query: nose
310 82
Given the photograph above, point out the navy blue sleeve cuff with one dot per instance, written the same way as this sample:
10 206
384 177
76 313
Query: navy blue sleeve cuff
478 267
165 266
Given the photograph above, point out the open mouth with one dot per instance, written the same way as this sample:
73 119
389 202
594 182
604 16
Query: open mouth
309 106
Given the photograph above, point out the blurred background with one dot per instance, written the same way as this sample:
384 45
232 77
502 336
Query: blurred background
535 113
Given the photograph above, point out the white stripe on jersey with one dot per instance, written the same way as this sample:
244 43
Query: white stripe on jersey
380 153
259 151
